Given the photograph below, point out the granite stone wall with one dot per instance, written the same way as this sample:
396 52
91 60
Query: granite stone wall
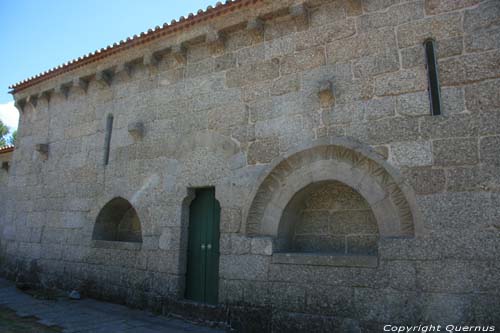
283 96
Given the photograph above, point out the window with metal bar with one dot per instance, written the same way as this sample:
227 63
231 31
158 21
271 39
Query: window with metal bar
432 73
107 142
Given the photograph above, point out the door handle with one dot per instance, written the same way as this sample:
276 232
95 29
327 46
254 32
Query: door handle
203 246
209 246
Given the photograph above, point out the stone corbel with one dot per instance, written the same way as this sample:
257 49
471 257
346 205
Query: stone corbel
299 13
136 129
255 27
20 104
104 77
45 95
42 148
32 100
125 67
81 83
215 41
151 59
63 89
6 166
180 53
325 93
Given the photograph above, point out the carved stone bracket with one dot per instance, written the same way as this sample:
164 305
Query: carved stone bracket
300 13
325 93
81 83
255 28
42 148
104 76
45 95
32 100
125 67
151 58
136 129
180 54
63 89
20 104
215 41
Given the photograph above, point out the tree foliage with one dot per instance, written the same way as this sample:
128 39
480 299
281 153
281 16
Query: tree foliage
4 130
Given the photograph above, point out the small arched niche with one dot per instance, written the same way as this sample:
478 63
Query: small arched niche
118 221
328 217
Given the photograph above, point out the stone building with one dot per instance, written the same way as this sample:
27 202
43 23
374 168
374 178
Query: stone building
319 165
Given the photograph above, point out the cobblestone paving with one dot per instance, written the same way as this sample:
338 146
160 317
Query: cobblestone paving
88 315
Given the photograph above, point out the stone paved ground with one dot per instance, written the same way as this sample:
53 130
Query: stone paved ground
89 315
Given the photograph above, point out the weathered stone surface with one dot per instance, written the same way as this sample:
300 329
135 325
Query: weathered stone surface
250 120
426 180
411 154
490 150
433 7
455 152
440 27
394 16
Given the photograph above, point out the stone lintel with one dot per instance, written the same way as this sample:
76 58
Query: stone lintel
180 53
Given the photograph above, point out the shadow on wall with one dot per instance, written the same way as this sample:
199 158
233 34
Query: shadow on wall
328 217
118 221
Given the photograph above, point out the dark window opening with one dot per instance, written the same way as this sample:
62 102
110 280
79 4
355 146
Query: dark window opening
432 72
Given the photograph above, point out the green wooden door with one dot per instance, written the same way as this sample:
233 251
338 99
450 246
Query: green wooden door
202 276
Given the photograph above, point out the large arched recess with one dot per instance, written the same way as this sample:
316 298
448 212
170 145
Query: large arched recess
341 159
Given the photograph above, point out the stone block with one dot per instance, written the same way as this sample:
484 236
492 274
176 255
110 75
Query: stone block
404 81
451 276
482 16
470 178
285 84
463 125
439 27
483 96
434 7
362 244
376 64
380 108
464 211
490 150
302 60
385 131
393 16
244 267
411 154
446 309
453 101
262 246
230 219
414 104
489 123
360 45
483 40
426 180
279 47
263 151
377 5
448 152
247 74
335 30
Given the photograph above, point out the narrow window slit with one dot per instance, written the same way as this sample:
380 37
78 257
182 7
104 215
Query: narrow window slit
109 129
432 72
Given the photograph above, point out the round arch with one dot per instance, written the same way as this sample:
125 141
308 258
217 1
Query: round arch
341 159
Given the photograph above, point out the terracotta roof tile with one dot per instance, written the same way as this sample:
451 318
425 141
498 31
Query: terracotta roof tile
144 37
6 149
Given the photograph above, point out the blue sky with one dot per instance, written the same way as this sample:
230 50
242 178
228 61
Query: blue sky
37 35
